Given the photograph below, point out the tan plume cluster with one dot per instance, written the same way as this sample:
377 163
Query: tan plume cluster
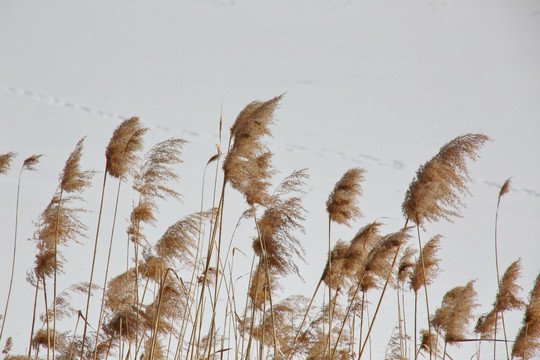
507 299
180 239
456 312
157 170
281 217
121 152
428 262
247 166
73 179
286 317
527 342
151 183
259 289
342 202
406 265
381 259
31 162
5 161
168 305
436 190
58 224
334 277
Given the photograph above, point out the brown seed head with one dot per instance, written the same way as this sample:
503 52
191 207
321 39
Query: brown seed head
430 262
125 143
180 239
282 217
527 344
73 179
439 184
5 161
505 188
486 324
31 162
342 202
247 166
455 312
507 297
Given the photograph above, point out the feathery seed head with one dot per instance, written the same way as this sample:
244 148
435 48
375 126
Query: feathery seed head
430 264
73 179
527 342
282 216
5 161
505 188
31 162
342 201
247 166
121 152
455 312
436 190
507 297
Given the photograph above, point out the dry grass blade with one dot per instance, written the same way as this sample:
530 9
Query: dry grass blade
247 166
5 161
121 152
342 201
436 190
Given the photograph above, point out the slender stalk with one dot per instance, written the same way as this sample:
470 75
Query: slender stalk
425 284
33 317
93 266
55 271
415 324
14 254
107 266
327 351
380 301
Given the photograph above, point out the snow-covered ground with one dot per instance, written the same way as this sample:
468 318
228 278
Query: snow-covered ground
376 85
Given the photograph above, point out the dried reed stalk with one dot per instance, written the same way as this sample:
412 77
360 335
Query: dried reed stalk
28 164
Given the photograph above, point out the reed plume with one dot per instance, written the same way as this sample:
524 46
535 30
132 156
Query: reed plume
180 239
247 166
342 203
334 277
5 161
122 151
431 265
281 217
527 344
435 192
507 297
455 312
151 183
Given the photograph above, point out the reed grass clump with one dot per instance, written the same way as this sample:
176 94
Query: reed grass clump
190 293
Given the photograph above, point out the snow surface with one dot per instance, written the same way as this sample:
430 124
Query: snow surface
376 85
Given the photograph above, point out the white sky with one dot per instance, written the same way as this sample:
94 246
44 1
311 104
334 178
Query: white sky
379 85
